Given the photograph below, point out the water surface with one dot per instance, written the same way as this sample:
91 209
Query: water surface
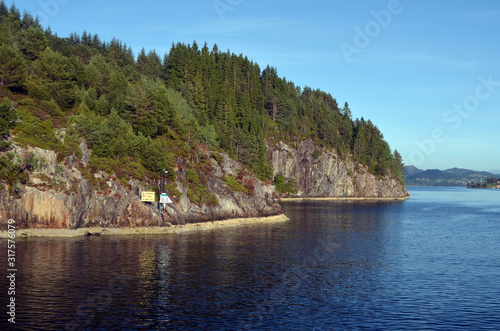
431 262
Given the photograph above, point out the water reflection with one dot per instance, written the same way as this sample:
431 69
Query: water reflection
334 265
241 276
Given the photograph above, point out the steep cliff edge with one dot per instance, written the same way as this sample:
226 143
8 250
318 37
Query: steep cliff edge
320 172
57 195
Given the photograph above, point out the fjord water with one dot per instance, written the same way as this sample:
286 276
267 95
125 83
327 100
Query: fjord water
431 262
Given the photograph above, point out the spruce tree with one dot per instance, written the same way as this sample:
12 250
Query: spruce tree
12 67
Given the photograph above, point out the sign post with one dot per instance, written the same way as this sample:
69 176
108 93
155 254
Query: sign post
164 199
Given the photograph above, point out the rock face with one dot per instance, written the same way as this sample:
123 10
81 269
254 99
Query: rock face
57 196
323 173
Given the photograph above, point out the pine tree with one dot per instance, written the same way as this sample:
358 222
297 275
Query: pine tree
52 78
398 166
12 67
153 67
142 60
4 11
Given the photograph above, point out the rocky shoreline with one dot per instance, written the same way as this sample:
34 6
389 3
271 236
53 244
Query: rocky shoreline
66 197
151 230
346 199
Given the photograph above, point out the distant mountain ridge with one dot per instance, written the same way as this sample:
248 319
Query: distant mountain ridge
449 177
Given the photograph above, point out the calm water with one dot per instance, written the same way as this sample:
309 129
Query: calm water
432 262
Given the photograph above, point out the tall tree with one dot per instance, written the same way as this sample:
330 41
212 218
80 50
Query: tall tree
53 77
12 67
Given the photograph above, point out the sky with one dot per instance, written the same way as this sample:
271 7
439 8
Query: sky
427 73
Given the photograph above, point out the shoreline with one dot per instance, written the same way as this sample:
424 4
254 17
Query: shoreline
100 231
346 199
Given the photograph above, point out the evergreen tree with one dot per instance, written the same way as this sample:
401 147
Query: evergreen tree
200 95
52 77
4 11
12 67
398 166
142 60
153 67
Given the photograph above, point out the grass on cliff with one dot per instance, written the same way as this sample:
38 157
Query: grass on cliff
197 191
234 185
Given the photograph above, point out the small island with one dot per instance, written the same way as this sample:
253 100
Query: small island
492 182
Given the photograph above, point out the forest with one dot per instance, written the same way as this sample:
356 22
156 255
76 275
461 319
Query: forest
139 112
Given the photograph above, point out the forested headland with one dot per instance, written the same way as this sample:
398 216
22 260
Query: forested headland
138 113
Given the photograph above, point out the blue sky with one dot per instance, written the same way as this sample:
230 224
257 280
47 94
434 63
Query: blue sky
427 73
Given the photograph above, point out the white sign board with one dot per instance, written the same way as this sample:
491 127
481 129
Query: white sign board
164 198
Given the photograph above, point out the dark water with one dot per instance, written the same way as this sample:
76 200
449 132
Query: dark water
432 262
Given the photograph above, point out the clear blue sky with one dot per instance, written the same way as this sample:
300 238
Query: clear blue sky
427 73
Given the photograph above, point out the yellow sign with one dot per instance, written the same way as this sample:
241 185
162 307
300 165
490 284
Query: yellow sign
148 196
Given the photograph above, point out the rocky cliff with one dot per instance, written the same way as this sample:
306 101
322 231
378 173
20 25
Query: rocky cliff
56 195
323 173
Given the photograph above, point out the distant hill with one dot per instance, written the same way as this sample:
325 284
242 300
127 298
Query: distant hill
412 170
449 177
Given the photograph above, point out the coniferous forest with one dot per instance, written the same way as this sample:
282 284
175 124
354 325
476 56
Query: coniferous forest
141 111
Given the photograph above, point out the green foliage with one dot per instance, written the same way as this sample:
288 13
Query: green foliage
234 185
317 153
371 149
8 118
52 78
31 131
33 163
113 137
149 108
200 195
12 67
279 182
8 169
173 191
217 157
153 157
192 176
127 107
32 42
208 136
197 191
283 186
52 108
123 168
15 172
491 182
398 166
290 187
